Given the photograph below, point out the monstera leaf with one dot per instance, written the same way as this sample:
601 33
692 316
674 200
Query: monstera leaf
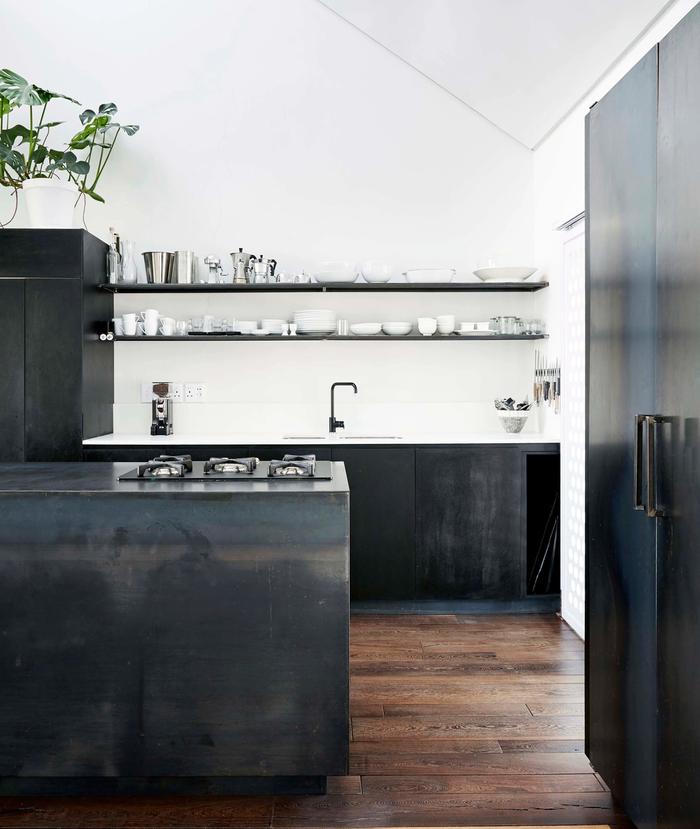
18 91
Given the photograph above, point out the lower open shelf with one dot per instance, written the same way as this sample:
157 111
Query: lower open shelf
331 337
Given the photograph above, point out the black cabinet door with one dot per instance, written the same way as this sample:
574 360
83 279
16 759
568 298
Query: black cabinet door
621 546
53 370
678 399
469 503
382 520
11 370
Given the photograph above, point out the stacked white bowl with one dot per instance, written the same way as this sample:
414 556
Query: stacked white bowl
315 321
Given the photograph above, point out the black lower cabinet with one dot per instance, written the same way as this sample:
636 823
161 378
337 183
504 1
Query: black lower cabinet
469 510
382 520
426 522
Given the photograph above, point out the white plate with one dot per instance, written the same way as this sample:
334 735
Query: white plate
514 274
470 333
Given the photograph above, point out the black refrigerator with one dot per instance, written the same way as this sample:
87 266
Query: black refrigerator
643 442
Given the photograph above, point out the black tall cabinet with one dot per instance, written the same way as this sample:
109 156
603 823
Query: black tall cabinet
643 455
56 377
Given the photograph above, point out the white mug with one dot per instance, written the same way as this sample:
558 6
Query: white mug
139 329
118 326
446 324
427 326
129 322
208 323
150 326
167 326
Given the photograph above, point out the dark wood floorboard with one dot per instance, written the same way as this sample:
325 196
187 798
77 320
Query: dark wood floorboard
457 721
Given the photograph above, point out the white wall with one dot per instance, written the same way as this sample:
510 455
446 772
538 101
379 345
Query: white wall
276 126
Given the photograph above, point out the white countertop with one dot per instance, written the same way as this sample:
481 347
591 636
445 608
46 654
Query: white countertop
311 439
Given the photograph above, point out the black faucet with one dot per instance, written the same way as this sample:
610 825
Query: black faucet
334 424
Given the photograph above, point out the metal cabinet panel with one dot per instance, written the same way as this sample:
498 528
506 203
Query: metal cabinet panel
469 503
382 520
621 546
11 370
678 400
53 369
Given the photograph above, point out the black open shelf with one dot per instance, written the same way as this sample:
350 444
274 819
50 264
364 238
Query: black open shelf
346 287
327 337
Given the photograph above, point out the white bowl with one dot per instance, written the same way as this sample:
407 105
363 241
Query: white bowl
335 270
513 422
376 271
427 326
430 274
515 274
366 329
397 329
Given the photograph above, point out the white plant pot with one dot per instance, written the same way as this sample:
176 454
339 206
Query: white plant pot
50 202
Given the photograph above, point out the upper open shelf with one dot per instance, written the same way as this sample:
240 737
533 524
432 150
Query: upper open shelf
314 287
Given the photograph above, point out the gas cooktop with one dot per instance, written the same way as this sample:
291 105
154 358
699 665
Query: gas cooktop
182 468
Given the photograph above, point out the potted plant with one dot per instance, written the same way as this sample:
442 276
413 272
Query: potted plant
52 179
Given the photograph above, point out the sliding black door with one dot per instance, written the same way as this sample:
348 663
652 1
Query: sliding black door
678 453
621 544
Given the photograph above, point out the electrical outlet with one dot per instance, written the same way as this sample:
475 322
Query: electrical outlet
195 392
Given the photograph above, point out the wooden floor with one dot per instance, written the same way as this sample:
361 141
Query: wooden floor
456 721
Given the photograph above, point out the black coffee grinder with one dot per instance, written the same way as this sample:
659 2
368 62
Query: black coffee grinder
162 409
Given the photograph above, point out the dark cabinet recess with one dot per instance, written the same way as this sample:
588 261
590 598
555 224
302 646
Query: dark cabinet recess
468 522
543 524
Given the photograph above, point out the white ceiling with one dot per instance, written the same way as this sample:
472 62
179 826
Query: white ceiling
522 64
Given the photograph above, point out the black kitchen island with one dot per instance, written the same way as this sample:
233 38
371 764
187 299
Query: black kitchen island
171 636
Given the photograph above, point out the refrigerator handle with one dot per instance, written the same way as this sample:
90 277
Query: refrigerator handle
652 509
639 422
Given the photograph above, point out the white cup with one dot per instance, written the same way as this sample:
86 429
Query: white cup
181 328
208 323
118 326
427 326
446 324
167 326
129 324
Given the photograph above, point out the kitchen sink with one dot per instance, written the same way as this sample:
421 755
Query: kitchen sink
309 438
370 437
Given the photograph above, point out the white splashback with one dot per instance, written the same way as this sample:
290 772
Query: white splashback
283 387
